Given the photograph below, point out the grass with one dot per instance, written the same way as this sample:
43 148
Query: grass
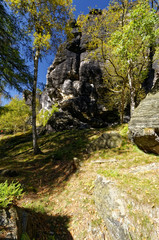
54 187
143 185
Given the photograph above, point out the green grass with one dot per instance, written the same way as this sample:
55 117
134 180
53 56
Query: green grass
143 186
50 173
59 150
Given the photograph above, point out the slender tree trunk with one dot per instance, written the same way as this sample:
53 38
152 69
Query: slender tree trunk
122 105
34 132
132 91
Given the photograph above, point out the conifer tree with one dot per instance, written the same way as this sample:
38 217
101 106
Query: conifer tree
13 71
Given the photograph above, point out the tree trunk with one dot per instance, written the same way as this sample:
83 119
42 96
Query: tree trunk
122 105
36 149
132 92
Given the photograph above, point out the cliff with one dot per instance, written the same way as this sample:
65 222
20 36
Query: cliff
75 83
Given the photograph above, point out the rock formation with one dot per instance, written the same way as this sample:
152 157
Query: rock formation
106 140
74 82
16 222
124 217
144 124
25 224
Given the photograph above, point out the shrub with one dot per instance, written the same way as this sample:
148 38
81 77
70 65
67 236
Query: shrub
9 193
44 115
14 116
25 237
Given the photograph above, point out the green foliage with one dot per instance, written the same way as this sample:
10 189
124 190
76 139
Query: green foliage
25 237
44 20
121 38
14 116
51 238
9 193
136 35
13 71
124 130
44 115
130 46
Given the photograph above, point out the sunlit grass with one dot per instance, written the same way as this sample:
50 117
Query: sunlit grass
143 186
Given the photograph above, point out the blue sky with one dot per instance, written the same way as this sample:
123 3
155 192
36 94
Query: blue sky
82 6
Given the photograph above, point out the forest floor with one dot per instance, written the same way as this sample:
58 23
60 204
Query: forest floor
60 182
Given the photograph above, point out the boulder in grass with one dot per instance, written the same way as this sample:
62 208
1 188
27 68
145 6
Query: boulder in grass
106 140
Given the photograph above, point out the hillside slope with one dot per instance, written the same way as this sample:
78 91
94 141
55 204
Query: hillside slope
60 182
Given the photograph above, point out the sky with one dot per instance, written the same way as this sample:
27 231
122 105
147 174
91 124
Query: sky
82 6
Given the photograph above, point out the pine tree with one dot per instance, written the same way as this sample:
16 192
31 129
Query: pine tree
13 71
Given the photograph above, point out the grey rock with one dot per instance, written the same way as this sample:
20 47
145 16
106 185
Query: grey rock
110 208
144 124
145 168
106 140
74 82
64 121
67 87
94 232
8 219
15 221
117 209
46 98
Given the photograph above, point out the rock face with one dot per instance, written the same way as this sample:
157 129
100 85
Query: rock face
125 219
8 226
144 124
74 82
16 222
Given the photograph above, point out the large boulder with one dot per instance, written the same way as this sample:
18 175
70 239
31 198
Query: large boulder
124 217
144 123
16 222
106 140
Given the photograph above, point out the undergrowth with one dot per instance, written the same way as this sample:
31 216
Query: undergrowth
9 193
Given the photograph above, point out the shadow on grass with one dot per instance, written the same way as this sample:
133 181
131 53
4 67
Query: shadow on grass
10 143
50 169
37 226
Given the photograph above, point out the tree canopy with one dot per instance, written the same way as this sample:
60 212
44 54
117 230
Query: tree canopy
14 116
13 70
121 38
45 21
